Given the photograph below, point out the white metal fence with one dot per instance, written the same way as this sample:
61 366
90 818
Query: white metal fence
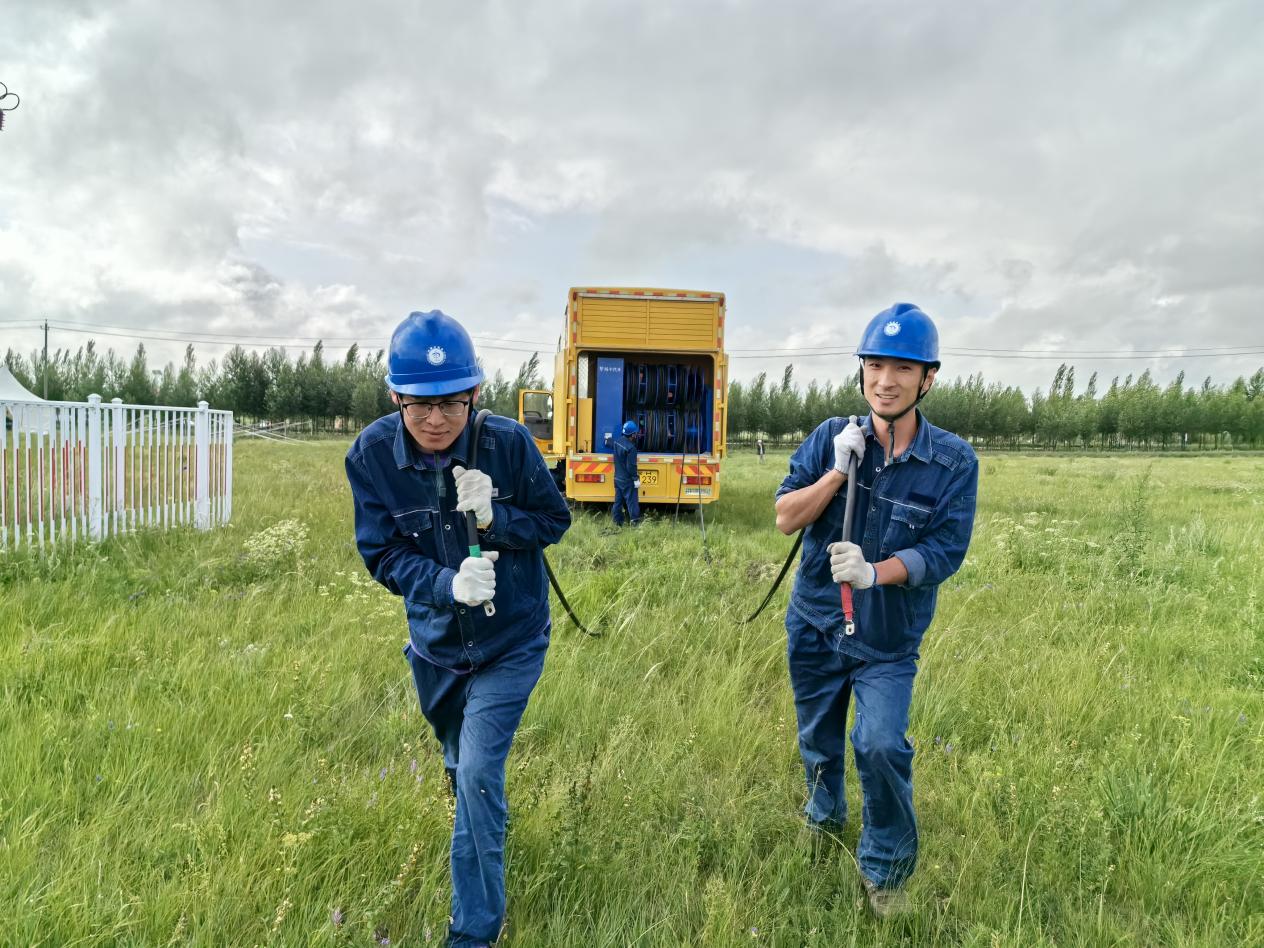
92 470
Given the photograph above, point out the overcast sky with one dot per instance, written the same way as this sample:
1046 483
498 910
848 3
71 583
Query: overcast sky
1037 176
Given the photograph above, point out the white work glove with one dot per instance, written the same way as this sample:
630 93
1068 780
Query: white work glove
849 441
847 565
475 582
637 483
474 492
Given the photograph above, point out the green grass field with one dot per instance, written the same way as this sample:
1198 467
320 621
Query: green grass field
212 739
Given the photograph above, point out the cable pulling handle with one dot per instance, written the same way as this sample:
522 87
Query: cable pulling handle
471 519
849 612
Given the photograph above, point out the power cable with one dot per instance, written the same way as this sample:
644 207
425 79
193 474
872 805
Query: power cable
1065 357
968 350
202 336
154 337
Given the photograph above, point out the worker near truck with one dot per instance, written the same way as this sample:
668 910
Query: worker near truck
914 514
627 481
473 671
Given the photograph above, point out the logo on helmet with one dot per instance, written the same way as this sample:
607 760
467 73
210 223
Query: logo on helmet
892 328
436 356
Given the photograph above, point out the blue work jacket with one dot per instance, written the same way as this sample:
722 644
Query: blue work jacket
413 539
920 508
624 449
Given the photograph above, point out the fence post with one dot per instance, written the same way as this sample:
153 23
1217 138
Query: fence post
202 435
120 498
228 468
94 467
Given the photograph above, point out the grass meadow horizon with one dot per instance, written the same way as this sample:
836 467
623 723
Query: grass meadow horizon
213 739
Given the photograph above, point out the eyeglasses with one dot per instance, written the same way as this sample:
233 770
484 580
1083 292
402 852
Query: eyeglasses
420 411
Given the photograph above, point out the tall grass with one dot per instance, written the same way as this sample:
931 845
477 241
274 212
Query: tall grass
212 738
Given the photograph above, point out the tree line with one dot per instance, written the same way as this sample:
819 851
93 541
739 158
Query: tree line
1132 413
345 394
327 394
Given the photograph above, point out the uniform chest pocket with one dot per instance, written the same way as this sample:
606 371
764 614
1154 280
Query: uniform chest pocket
417 525
908 522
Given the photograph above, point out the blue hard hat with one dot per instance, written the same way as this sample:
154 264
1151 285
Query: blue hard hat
432 354
630 428
901 332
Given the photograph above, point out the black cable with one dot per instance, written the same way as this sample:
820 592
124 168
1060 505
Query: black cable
561 596
702 522
479 419
785 567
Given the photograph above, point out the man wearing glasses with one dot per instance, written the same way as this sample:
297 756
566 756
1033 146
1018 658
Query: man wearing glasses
474 666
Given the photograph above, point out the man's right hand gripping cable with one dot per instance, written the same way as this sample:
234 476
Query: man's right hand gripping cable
475 581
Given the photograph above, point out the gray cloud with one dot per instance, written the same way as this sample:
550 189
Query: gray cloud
1083 175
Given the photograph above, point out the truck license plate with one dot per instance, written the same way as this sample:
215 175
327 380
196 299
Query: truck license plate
648 478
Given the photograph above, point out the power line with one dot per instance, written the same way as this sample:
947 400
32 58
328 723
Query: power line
977 350
1062 357
525 346
226 341
207 336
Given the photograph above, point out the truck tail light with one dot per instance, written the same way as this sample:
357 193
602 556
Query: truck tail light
590 478
701 481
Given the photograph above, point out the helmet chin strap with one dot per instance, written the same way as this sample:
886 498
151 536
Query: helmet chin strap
892 419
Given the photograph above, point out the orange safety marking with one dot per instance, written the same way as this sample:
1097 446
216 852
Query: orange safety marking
591 467
693 470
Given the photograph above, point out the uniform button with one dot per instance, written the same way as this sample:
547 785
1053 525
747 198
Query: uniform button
469 644
447 526
462 612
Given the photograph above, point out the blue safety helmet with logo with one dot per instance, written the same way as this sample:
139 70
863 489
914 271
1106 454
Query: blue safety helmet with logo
630 428
432 354
901 332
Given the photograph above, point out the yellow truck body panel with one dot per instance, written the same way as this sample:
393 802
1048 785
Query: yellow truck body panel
652 355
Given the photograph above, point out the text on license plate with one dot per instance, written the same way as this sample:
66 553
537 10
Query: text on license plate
648 478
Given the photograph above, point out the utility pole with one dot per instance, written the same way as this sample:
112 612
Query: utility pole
45 360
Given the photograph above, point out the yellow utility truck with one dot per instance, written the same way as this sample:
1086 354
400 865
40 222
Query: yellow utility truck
655 357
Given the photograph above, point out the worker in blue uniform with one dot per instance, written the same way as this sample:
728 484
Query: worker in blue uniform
474 666
914 514
627 481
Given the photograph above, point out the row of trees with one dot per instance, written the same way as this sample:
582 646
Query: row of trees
347 393
1134 412
330 394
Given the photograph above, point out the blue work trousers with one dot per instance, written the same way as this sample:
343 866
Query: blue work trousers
625 496
825 680
474 715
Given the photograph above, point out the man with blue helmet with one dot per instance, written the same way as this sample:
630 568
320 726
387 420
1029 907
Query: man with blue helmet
627 482
474 667
914 514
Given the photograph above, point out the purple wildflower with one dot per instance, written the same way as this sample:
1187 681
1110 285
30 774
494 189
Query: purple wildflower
337 917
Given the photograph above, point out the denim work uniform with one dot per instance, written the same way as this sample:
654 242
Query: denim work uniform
473 672
919 508
625 476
